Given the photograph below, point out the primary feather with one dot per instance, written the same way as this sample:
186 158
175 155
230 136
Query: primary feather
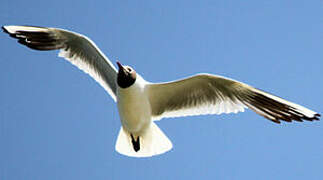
74 47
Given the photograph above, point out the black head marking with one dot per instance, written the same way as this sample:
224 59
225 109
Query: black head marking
126 76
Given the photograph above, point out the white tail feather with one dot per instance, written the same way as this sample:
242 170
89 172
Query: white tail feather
152 142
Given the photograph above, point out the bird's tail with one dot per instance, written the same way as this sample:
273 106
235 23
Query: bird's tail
151 143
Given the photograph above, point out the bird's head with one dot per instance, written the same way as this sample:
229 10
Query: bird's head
126 76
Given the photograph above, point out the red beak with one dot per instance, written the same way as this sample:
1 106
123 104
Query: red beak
119 65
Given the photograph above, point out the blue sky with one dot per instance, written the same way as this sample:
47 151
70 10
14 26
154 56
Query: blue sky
58 123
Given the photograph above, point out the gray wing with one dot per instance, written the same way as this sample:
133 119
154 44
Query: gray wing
76 48
210 94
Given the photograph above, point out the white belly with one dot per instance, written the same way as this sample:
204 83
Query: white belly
134 109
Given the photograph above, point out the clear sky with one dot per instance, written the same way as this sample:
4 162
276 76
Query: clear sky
58 123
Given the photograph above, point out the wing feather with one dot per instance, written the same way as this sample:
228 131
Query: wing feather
76 48
210 94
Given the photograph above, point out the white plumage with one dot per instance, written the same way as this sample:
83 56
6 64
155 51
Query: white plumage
140 102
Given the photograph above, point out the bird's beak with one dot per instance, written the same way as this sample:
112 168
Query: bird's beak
120 66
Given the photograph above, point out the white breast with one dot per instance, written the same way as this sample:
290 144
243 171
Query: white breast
134 108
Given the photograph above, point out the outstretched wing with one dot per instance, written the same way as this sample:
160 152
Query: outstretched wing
76 48
210 94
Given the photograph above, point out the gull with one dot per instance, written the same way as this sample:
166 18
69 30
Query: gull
140 102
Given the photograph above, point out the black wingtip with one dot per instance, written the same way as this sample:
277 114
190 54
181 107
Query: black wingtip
4 29
275 121
317 116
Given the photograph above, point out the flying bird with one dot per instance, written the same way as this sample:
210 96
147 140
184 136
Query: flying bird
140 102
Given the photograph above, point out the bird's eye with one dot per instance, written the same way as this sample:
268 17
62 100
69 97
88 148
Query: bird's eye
129 69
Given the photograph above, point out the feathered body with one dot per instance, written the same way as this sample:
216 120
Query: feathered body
140 102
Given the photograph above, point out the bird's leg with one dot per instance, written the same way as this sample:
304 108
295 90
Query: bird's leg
135 143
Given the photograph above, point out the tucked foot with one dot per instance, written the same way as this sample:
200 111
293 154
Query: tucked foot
135 143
